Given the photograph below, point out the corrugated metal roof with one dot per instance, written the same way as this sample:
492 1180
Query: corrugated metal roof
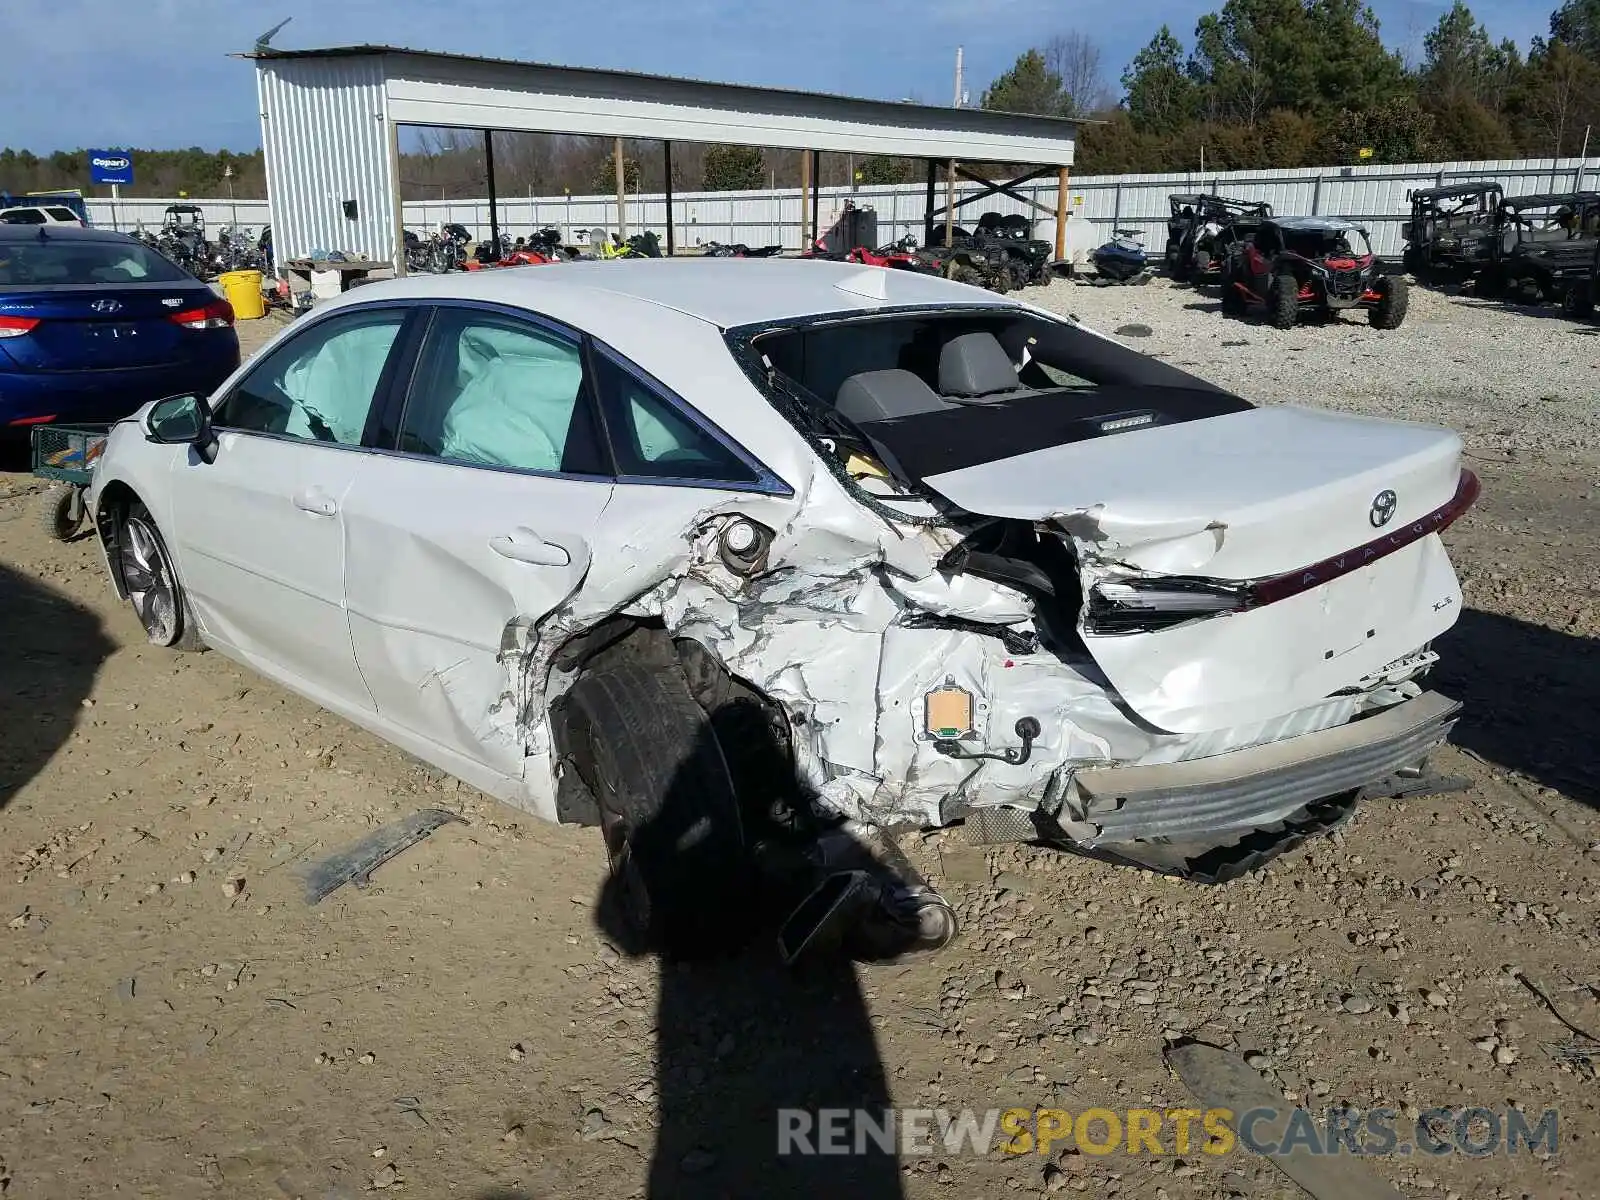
1065 124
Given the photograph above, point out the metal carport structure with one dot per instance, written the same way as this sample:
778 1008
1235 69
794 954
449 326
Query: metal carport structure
330 122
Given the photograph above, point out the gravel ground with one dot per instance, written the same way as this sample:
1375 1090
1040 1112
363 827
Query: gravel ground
1509 377
180 1023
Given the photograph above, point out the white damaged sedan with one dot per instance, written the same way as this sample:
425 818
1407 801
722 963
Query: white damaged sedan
687 548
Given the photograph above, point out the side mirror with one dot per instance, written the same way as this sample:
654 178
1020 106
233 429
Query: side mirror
182 420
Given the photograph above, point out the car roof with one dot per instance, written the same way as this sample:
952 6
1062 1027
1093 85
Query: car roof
724 292
1550 199
64 232
1315 224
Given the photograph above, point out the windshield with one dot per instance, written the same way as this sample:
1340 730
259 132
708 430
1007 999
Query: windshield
49 262
922 393
1327 243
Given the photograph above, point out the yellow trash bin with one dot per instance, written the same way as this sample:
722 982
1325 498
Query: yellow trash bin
243 290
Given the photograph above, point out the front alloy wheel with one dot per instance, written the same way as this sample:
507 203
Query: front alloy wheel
152 583
148 575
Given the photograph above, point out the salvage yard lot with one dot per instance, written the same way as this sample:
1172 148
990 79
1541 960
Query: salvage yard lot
180 1023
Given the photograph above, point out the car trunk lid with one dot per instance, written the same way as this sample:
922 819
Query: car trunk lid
99 328
1259 561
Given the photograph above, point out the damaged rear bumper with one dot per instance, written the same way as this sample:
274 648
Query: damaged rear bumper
1210 798
1213 819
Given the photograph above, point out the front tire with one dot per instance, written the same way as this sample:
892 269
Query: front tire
151 581
1233 301
1577 301
668 809
1283 302
1390 310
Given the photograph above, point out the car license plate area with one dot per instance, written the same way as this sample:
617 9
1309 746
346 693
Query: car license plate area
110 332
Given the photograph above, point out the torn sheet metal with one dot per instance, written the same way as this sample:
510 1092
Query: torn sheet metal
1286 485
1244 667
851 629
356 862
850 626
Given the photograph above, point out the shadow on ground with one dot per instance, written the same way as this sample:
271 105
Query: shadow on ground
1532 698
740 1038
53 650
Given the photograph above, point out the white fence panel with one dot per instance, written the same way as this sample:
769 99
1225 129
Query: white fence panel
1375 195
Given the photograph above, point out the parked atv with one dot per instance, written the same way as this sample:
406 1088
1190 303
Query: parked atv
1123 259
900 256
1196 248
1311 265
982 262
1452 229
1029 257
1541 243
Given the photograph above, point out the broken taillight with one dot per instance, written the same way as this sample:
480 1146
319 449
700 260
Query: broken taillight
1144 605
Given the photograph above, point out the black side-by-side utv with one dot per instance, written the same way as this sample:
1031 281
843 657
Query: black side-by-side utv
1452 228
1195 228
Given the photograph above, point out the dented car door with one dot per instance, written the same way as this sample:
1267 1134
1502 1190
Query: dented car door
474 528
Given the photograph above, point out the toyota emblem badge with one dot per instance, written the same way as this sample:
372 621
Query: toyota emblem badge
1383 506
107 306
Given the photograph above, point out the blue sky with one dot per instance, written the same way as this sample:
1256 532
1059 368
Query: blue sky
155 73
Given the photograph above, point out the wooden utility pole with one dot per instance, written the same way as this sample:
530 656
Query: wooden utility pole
666 154
950 203
1063 177
805 199
622 192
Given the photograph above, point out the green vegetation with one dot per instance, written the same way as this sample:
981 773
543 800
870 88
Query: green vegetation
1260 83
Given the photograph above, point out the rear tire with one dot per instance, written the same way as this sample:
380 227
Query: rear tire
1487 285
1390 310
1577 301
1283 302
668 809
151 581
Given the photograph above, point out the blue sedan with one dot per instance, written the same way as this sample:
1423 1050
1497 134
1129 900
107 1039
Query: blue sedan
94 324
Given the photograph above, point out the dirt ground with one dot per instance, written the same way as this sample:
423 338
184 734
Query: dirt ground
179 1022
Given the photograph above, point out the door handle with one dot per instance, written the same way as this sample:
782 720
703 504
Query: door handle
524 545
316 502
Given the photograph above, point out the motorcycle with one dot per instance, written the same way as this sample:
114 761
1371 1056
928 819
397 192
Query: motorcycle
446 250
739 250
1123 259
547 242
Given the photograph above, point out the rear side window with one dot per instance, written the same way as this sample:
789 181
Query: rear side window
653 436
493 391
62 214
63 261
